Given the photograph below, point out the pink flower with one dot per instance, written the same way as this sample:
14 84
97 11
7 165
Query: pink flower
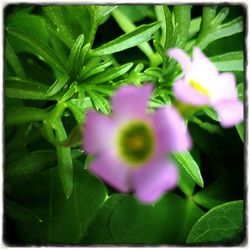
132 145
202 84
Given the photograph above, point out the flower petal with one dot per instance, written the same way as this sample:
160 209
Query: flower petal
187 94
203 71
225 87
230 112
181 57
171 131
112 171
131 101
151 181
99 133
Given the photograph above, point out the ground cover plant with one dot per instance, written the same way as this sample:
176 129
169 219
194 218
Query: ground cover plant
166 83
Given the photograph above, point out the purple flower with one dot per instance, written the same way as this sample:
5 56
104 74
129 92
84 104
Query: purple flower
132 145
202 84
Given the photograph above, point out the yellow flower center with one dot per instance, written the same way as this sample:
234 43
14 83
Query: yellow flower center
199 87
136 143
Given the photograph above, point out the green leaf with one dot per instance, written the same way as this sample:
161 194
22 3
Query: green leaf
38 47
31 163
34 25
222 224
25 89
57 16
108 74
186 161
99 102
240 129
64 220
220 191
182 21
18 115
240 90
65 164
77 112
98 69
168 221
168 36
77 56
98 232
228 29
57 85
186 182
99 13
207 126
14 61
240 126
141 34
231 61
17 212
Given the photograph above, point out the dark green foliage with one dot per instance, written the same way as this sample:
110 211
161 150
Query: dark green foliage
62 60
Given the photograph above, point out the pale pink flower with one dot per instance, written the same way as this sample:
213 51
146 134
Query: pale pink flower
202 84
132 146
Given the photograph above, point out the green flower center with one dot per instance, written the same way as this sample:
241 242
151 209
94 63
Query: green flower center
136 143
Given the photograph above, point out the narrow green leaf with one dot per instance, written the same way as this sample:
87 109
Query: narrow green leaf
186 161
240 129
57 85
99 102
71 91
108 74
65 164
39 48
141 34
240 90
98 69
168 37
222 224
231 61
128 26
18 115
228 29
31 163
186 182
77 112
182 21
18 212
207 126
100 13
58 17
25 89
14 61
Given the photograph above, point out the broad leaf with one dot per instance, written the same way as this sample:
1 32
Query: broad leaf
99 232
64 220
17 212
31 163
222 224
168 221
